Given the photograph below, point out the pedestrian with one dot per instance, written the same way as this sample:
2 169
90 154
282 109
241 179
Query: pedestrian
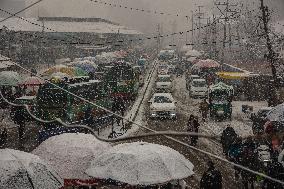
249 159
3 137
20 118
203 109
274 170
212 178
234 155
193 126
227 138
88 116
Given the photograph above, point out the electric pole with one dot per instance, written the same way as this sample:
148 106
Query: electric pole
158 38
199 17
192 27
271 53
227 14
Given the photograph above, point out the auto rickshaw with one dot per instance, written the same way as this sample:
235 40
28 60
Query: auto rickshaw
220 100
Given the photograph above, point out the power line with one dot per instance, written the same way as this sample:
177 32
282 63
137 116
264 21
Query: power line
154 131
22 10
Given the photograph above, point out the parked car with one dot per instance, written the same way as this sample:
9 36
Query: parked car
198 88
259 119
189 79
164 83
163 105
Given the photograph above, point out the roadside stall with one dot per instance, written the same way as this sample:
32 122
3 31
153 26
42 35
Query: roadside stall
220 100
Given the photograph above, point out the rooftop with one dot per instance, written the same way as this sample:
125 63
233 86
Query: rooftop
66 25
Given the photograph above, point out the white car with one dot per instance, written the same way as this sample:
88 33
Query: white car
189 79
163 69
198 88
163 105
164 83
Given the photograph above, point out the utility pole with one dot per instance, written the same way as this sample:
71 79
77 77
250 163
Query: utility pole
158 38
227 13
199 17
271 54
192 27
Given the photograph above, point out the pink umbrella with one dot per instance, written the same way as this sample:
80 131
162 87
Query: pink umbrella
206 64
32 82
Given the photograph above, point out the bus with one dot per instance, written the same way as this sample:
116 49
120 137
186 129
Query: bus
122 81
53 102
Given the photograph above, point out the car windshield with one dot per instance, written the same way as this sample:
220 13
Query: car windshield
162 99
199 83
164 79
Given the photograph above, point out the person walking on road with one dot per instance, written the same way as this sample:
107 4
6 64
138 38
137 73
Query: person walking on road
274 170
227 138
203 109
212 178
193 126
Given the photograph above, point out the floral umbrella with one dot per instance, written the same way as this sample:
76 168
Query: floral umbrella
70 71
85 65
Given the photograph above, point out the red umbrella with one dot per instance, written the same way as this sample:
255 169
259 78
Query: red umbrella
32 83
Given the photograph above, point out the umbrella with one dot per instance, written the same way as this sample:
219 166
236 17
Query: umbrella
85 65
32 81
206 64
70 71
193 53
141 163
70 153
276 114
26 171
9 78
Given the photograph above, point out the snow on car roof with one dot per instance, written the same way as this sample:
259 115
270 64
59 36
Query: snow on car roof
164 75
198 80
169 95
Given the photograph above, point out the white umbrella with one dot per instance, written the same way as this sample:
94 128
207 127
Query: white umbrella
193 52
141 163
277 113
26 171
70 153
9 78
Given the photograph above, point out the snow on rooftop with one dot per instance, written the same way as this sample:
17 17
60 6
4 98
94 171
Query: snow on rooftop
5 62
34 25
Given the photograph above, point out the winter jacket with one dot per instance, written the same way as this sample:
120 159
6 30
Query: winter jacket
274 170
211 179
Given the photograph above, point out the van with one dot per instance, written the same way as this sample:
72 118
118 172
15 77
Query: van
198 88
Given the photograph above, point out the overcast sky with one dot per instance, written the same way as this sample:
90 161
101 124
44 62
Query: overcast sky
142 21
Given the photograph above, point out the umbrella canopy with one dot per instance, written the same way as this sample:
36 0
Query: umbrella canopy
86 65
277 113
141 163
9 78
70 71
208 63
193 53
70 154
32 81
26 171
